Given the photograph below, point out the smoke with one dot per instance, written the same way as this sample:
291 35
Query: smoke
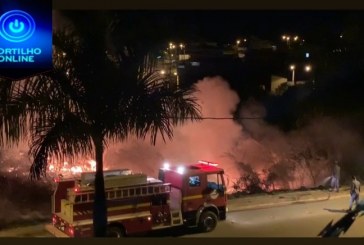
308 152
224 141
299 158
204 140
289 160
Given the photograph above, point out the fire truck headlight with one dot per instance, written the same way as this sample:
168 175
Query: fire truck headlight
180 170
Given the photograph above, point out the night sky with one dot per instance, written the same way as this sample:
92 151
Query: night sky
227 25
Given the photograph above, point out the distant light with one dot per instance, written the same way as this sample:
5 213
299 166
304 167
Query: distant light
158 57
284 37
296 38
245 40
307 55
54 220
307 68
180 170
341 36
166 166
292 67
162 72
238 41
175 73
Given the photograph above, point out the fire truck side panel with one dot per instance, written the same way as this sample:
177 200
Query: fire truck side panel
193 187
192 198
114 207
160 215
174 178
60 193
137 225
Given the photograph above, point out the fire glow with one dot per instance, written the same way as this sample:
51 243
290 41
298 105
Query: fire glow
66 168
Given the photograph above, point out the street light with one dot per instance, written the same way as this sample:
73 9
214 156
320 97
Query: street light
308 68
182 46
292 68
286 38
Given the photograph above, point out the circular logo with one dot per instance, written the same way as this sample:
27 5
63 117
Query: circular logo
16 26
214 194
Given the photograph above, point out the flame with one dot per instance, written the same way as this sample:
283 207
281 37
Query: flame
51 168
65 168
92 165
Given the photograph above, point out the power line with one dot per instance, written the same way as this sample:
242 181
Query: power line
226 118
230 118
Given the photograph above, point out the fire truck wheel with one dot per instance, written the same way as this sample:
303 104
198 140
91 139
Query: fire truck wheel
207 221
115 231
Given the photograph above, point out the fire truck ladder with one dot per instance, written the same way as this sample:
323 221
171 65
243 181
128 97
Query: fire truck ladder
137 191
124 192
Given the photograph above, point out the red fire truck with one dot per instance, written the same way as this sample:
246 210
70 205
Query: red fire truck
192 195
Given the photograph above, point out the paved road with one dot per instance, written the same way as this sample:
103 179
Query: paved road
297 220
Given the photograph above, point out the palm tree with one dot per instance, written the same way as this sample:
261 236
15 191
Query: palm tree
93 95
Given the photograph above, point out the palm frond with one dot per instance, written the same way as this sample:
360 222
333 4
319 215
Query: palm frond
156 108
67 136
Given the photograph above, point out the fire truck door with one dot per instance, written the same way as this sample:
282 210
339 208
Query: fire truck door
215 191
192 193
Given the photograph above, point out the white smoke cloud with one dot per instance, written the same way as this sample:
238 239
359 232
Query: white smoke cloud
233 143
209 139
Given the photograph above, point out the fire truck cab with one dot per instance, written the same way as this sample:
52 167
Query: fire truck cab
192 195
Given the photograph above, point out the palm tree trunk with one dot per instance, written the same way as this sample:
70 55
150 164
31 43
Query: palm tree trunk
100 209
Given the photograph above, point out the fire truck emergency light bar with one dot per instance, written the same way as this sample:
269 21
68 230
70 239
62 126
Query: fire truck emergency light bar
208 163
